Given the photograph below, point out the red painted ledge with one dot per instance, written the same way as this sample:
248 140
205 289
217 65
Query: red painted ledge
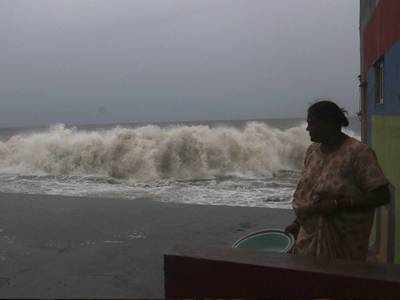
234 273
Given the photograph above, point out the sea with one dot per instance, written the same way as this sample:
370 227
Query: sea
253 163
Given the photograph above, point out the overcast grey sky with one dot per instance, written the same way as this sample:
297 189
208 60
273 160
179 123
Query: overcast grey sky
126 60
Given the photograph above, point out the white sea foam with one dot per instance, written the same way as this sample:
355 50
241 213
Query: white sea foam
152 153
255 165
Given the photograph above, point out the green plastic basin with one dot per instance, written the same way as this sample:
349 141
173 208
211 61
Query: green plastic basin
266 240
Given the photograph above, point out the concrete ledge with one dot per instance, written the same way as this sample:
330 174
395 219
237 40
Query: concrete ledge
234 273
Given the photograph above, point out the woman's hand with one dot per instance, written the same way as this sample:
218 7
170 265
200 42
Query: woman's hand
293 229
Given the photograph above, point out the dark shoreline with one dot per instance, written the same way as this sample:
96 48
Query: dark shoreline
65 247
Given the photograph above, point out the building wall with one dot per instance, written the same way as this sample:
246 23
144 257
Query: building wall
386 143
367 8
380 38
391 105
391 88
381 32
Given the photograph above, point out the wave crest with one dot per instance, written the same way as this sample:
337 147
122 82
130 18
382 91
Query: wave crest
150 152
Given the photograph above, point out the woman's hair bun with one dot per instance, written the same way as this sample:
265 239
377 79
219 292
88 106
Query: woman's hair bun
329 110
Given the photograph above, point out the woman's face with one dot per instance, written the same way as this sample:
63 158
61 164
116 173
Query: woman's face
319 130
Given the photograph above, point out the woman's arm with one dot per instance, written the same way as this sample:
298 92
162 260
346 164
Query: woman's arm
325 203
377 197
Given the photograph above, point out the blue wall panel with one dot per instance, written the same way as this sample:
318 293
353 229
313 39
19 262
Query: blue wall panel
391 94
392 79
391 105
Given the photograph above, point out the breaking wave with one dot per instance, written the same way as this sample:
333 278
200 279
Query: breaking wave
154 153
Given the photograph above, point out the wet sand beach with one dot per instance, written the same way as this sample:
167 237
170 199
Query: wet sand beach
69 247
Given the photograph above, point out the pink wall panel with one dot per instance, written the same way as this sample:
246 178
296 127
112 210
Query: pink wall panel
382 32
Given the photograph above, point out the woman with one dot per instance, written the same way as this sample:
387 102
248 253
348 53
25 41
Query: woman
340 187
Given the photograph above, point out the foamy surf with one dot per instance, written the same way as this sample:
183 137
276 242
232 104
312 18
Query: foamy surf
254 165
151 153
